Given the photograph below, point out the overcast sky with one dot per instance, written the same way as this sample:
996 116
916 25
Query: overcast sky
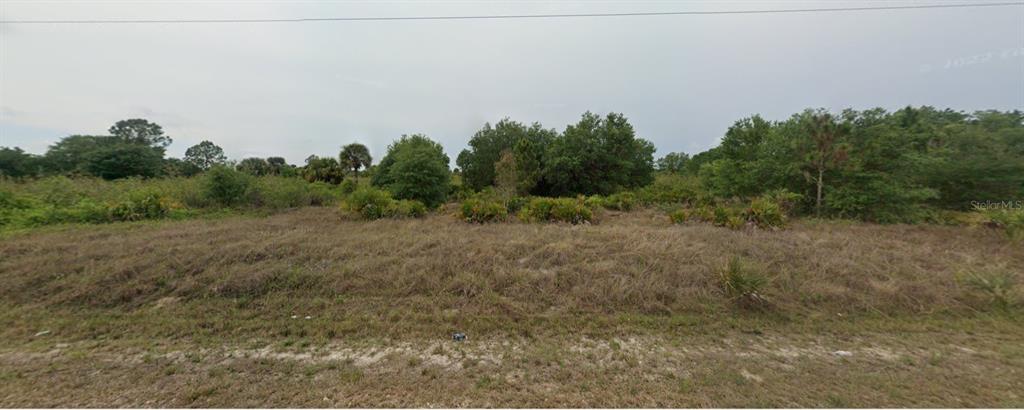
294 89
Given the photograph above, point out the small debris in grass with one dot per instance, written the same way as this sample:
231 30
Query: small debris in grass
458 337
308 317
295 316
43 333
842 353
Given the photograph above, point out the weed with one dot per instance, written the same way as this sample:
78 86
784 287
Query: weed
743 286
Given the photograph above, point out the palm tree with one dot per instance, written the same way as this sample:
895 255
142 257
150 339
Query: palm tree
355 156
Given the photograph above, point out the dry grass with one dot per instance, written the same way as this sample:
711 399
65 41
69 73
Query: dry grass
627 312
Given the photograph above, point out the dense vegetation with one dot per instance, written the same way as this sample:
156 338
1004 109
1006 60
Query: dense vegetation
913 165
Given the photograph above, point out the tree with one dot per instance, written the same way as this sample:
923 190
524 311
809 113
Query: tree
174 167
205 155
415 167
324 169
71 153
598 155
124 160
254 166
488 144
354 157
140 131
824 150
17 163
506 175
673 162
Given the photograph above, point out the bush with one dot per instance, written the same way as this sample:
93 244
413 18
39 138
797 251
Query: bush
226 186
1011 220
622 201
765 213
672 189
349 186
141 205
482 211
275 192
516 203
679 216
998 287
741 286
569 210
373 203
406 209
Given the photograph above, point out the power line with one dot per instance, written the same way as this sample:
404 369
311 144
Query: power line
514 16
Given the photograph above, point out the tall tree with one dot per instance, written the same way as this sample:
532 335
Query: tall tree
824 150
415 167
140 131
205 155
354 157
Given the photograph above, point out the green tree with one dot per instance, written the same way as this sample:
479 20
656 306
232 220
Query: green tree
254 166
124 160
205 155
174 167
598 156
17 163
823 148
487 145
415 167
673 162
354 157
71 153
323 169
140 131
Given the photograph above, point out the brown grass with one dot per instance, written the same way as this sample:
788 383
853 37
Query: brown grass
230 287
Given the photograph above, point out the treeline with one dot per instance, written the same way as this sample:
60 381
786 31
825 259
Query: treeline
871 165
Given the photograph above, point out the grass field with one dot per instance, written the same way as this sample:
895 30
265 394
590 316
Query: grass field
305 308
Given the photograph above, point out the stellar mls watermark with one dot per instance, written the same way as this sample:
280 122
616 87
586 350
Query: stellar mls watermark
966 61
990 205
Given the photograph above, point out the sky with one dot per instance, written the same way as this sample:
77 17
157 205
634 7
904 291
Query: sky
295 89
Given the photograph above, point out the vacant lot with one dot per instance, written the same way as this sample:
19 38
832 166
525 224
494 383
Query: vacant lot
307 309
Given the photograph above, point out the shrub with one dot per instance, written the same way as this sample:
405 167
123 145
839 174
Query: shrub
373 203
276 192
679 216
516 203
1011 220
141 205
622 201
481 211
406 209
765 213
349 186
998 287
742 286
227 186
569 210
672 189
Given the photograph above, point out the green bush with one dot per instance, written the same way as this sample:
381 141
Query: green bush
999 287
672 189
1011 220
482 211
406 208
765 213
622 201
514 204
373 203
227 186
574 211
274 192
743 286
679 216
141 205
349 186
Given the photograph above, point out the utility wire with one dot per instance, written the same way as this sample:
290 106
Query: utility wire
513 16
